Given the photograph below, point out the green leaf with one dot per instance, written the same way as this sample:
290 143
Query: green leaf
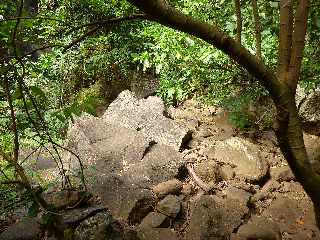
38 92
274 4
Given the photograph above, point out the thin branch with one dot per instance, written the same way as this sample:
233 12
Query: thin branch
7 90
196 179
79 160
13 182
23 87
80 39
110 21
30 18
4 174
32 152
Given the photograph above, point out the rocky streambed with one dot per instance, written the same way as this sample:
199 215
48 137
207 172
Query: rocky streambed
179 173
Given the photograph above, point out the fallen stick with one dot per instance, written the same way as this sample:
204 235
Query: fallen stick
196 179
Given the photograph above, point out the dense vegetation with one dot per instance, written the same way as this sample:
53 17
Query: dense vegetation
62 57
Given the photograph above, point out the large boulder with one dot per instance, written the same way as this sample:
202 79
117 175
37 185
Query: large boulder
146 116
121 165
160 163
214 219
105 144
243 156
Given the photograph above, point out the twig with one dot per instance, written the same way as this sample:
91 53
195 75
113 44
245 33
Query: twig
4 174
110 21
30 18
79 160
196 179
79 39
12 182
32 152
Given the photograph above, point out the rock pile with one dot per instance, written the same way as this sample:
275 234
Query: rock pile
157 184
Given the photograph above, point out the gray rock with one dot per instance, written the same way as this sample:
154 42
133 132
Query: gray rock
301 94
260 228
161 163
243 155
169 206
208 171
266 191
214 220
203 131
155 220
112 230
293 215
310 108
26 229
103 144
227 172
103 226
190 124
121 165
65 198
237 194
282 174
125 199
173 186
312 144
146 116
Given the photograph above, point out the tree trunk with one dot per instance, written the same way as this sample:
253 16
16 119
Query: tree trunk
239 20
285 38
257 27
290 138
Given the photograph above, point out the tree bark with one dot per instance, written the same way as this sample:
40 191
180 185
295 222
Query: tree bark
285 38
288 129
298 43
257 27
239 19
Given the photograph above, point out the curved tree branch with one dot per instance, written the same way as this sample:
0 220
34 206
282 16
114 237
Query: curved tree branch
162 12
